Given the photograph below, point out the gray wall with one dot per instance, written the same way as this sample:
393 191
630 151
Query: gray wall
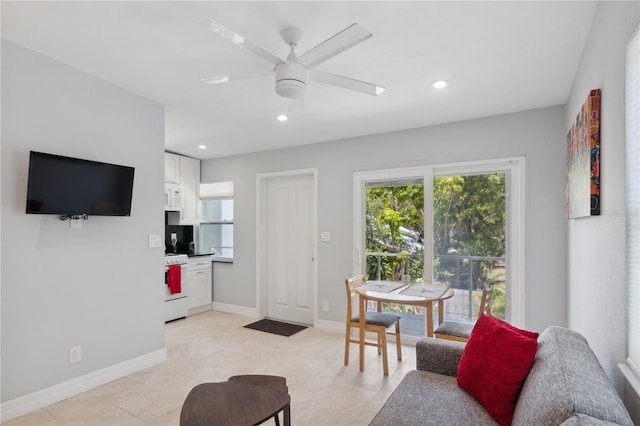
99 286
538 134
596 244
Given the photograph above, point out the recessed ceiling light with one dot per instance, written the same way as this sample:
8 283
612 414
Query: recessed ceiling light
202 146
440 84
215 80
282 117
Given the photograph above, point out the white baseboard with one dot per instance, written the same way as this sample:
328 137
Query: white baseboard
44 397
199 310
235 309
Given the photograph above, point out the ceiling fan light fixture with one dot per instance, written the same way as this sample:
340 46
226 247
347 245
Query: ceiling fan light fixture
292 89
291 80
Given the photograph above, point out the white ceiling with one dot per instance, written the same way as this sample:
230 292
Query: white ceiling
499 57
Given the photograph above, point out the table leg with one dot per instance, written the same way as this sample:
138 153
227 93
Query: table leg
429 320
440 311
363 313
286 414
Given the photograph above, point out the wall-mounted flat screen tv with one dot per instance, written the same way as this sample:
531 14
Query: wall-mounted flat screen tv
72 186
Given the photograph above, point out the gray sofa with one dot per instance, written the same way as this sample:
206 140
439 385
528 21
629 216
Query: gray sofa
565 386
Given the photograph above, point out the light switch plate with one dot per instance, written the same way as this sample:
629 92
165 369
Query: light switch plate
325 236
155 241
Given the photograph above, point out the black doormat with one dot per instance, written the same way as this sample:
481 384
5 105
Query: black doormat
276 327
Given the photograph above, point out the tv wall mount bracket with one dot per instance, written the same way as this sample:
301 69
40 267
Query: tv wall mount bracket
74 217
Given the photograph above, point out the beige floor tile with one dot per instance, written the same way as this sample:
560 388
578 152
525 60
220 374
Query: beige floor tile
213 346
37 418
68 406
99 414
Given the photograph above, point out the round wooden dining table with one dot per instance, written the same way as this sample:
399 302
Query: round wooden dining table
403 293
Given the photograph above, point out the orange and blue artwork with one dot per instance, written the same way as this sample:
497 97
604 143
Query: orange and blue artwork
583 160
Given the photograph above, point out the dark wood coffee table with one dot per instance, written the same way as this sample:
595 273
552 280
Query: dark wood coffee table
241 400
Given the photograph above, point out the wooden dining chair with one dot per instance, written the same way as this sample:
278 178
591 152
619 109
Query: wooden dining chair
461 330
377 322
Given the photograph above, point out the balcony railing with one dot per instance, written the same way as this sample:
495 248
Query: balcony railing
465 275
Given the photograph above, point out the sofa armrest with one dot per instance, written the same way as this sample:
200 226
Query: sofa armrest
438 355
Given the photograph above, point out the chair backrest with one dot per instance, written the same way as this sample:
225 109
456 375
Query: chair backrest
485 302
350 285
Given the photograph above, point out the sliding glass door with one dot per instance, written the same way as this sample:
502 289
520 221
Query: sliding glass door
450 224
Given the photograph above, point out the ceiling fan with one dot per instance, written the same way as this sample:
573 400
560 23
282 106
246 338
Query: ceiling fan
292 74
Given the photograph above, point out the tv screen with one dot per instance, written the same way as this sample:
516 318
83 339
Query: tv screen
72 186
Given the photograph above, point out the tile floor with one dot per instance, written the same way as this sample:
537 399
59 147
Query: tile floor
213 346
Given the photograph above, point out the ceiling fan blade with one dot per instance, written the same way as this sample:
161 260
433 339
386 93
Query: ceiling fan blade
224 78
240 40
215 79
345 82
335 45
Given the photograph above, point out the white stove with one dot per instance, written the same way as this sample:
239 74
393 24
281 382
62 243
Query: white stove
176 304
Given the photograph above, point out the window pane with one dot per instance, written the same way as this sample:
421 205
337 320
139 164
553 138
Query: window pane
394 230
469 223
217 210
217 239
633 201
216 229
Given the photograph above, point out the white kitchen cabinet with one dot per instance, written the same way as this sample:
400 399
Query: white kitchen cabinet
200 284
189 213
190 181
171 168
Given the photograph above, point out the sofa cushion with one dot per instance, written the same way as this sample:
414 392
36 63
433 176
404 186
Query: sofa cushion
438 355
566 379
494 365
425 398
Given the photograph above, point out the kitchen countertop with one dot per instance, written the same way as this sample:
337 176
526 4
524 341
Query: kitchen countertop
213 258
219 259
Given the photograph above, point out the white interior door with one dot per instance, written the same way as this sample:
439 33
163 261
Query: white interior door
289 248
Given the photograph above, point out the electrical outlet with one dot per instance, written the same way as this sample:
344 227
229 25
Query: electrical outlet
325 306
75 223
75 354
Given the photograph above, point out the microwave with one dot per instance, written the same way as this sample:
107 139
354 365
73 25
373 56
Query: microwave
172 197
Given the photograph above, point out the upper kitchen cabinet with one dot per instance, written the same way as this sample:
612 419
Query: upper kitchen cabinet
189 177
190 181
171 168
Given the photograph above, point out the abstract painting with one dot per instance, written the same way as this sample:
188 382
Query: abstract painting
583 160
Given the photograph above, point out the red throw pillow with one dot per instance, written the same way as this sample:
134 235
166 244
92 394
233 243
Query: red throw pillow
495 363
